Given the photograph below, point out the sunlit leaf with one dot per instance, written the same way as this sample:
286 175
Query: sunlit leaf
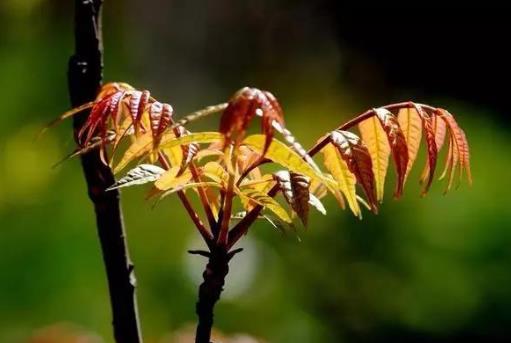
134 105
295 188
216 172
466 157
171 179
243 107
272 113
300 185
429 169
141 146
262 184
294 144
144 144
280 153
189 152
411 125
357 158
246 158
174 155
318 188
160 116
398 146
204 153
213 199
265 201
317 204
440 131
139 175
458 154
377 143
184 187
344 177
451 163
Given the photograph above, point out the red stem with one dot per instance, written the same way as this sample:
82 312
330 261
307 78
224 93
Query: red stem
188 206
202 193
223 235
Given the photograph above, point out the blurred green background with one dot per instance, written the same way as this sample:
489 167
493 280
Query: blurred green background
436 269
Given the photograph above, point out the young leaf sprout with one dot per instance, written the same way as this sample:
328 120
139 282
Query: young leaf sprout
223 166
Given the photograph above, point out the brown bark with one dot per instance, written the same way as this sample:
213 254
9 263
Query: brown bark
85 77
209 293
211 288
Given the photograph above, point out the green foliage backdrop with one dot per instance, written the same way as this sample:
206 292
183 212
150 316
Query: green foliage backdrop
434 266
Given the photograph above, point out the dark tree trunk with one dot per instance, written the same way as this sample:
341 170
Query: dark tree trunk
85 77
209 292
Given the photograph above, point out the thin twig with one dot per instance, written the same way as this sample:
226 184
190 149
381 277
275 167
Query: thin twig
226 205
206 235
196 177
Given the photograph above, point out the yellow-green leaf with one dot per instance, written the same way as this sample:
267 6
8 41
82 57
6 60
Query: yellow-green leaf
341 173
378 145
216 172
170 179
265 201
194 185
411 125
282 154
262 184
143 145
174 154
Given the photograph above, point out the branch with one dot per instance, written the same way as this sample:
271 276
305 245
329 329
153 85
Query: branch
210 290
84 79
360 118
243 226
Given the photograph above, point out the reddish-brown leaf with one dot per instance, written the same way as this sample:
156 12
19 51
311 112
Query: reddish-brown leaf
466 155
189 150
115 106
440 129
243 107
155 112
437 128
240 110
358 159
431 142
295 188
271 112
108 90
144 101
134 103
451 162
300 185
458 155
155 118
96 119
166 118
246 159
